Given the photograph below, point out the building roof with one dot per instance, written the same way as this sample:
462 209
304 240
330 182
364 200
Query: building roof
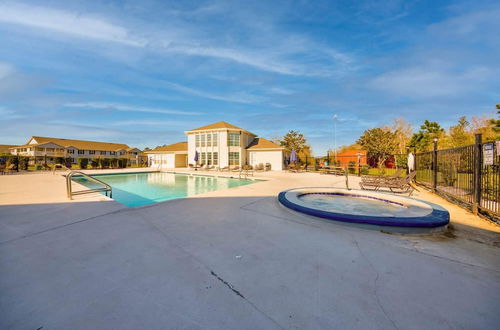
220 125
179 146
261 143
82 144
4 148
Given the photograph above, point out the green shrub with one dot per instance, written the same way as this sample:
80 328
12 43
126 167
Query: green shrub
38 167
365 169
123 162
104 162
402 161
114 162
59 160
68 162
352 167
94 163
23 163
83 162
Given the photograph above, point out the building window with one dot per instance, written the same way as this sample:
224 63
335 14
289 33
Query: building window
234 158
91 152
197 137
49 149
70 151
81 152
202 140
214 139
103 152
209 140
215 158
203 157
209 157
39 149
234 140
112 153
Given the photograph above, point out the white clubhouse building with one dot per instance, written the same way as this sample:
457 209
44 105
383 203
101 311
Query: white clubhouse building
219 145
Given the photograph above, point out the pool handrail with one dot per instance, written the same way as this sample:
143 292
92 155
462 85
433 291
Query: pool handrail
71 193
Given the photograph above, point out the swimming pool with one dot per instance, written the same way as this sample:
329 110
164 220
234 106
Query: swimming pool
137 189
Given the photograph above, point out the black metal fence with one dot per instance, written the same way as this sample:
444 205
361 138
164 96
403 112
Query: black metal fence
468 175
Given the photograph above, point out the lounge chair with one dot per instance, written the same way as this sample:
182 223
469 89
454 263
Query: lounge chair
248 169
224 169
396 175
401 185
235 169
11 168
292 168
302 168
259 168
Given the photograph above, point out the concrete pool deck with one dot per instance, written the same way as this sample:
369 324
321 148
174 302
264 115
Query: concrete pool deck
233 259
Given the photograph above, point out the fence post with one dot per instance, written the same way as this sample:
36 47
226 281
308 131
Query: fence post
478 164
434 165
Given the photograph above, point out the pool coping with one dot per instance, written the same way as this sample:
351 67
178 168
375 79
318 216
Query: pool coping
438 217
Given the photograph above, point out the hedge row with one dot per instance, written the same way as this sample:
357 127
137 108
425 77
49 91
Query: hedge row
83 163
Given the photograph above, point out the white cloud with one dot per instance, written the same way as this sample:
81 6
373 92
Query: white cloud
66 22
129 108
238 97
427 81
239 56
186 41
5 70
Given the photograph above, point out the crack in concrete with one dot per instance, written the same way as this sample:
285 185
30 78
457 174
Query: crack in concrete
416 250
375 282
227 284
201 262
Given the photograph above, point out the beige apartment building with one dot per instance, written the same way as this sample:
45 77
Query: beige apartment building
48 147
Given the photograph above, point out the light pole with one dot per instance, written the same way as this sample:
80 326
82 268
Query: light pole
335 137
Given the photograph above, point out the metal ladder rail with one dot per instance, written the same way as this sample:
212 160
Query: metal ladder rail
72 193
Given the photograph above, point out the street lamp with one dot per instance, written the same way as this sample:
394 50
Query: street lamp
335 136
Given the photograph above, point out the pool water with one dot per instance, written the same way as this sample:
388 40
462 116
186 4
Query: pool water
137 189
362 205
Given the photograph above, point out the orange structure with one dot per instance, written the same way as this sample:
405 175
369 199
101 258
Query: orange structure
351 156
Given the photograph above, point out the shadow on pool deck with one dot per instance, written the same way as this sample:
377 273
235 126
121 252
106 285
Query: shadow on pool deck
231 262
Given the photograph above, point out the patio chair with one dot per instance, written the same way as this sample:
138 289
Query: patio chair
268 166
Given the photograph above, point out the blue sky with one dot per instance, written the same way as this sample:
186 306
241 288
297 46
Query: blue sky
143 72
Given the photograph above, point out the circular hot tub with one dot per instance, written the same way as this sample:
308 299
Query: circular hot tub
365 207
